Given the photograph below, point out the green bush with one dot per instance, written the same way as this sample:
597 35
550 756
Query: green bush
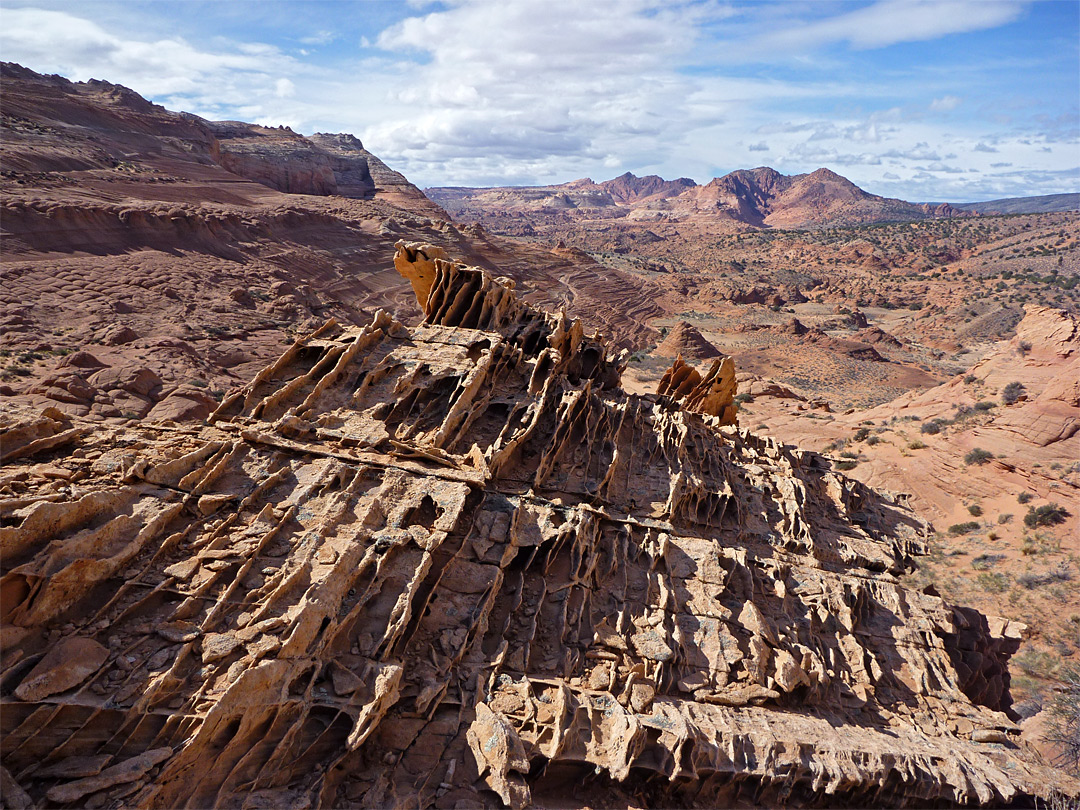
968 527
1012 392
1024 497
984 561
978 456
1063 730
1046 515
975 510
931 428
985 405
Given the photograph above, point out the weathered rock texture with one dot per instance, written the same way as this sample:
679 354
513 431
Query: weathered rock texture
456 565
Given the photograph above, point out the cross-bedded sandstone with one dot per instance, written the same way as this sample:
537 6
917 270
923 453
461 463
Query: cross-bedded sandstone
456 565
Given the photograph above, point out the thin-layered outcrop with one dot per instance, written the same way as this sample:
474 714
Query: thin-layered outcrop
456 565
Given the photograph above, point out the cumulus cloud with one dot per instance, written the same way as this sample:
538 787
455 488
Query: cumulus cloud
58 42
477 92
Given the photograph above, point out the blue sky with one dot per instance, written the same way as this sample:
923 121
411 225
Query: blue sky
957 100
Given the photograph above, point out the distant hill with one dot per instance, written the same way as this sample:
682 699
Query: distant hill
760 197
1047 204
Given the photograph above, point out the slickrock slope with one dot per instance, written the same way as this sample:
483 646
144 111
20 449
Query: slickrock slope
153 260
456 565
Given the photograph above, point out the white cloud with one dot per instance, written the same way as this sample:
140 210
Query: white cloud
478 92
889 22
945 103
57 42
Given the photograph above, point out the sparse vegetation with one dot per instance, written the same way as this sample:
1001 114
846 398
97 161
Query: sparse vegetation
984 561
975 510
993 581
1012 392
1024 497
978 456
1046 515
968 527
1064 727
1032 580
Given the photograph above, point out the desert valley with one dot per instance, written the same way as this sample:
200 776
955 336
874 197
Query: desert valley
323 490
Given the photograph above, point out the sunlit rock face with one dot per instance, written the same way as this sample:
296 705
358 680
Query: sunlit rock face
455 565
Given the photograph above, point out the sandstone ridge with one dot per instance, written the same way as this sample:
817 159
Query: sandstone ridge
455 564
760 197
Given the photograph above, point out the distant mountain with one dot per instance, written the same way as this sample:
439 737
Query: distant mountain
1046 204
760 197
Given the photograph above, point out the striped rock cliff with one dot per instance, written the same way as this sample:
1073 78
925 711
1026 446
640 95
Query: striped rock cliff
455 565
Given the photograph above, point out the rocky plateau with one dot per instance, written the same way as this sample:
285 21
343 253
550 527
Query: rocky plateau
455 564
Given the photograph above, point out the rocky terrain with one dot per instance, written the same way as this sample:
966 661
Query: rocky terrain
755 197
493 559
455 564
153 260
898 348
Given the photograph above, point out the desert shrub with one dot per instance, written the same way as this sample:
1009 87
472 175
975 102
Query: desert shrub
916 445
984 561
1024 497
931 428
1024 346
1005 517
741 398
1012 392
978 456
970 378
1049 514
846 465
872 440
848 454
975 510
1028 547
860 434
1032 580
1064 728
985 405
993 582
958 529
1037 663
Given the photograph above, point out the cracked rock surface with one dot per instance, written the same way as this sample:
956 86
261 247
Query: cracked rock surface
455 565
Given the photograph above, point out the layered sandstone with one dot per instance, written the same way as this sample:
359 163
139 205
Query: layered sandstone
153 260
456 565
